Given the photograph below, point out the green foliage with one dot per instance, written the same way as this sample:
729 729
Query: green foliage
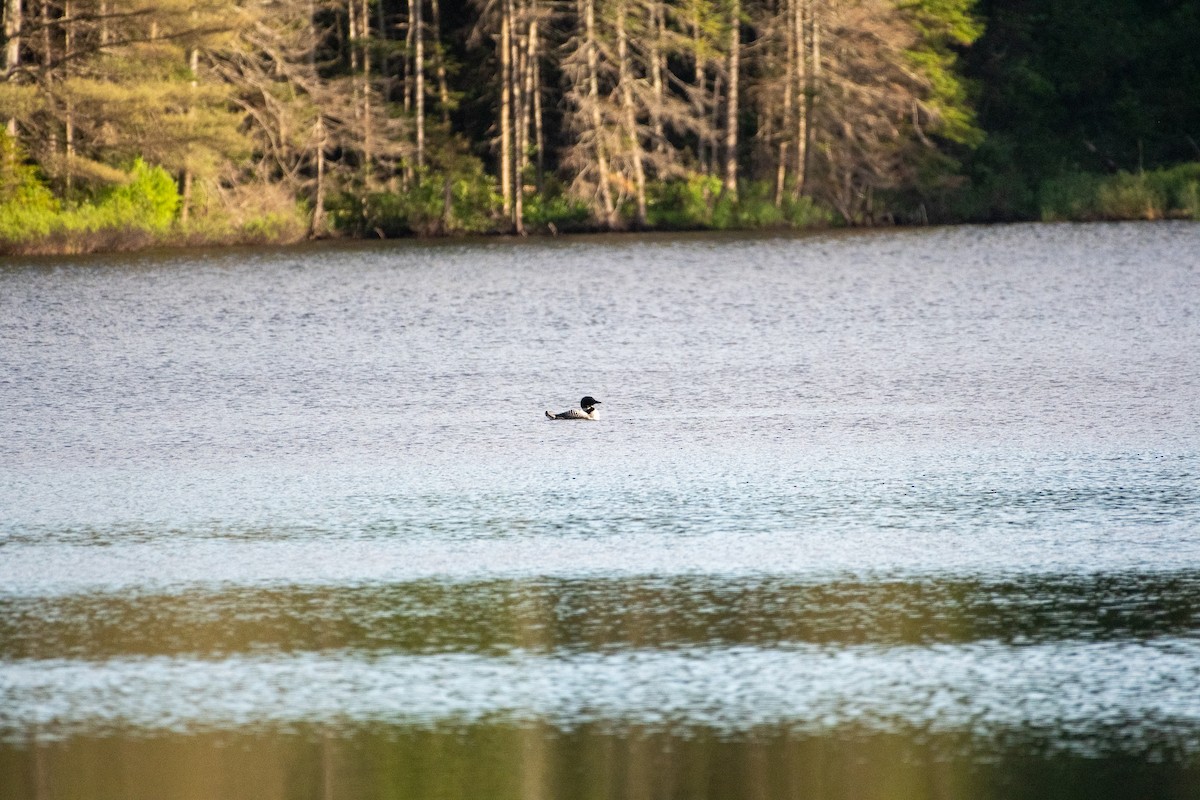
1151 195
1180 188
699 202
755 207
945 27
555 208
271 228
262 213
149 200
1083 86
682 204
436 204
945 22
145 203
27 208
804 212
19 222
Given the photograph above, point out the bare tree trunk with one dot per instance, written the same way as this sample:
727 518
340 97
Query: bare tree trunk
419 79
589 13
317 226
539 134
47 55
12 37
352 33
714 126
317 223
530 106
789 79
731 107
12 49
186 201
625 81
47 76
439 55
521 108
813 80
520 127
803 94
357 84
408 45
364 30
69 115
656 26
506 166
698 104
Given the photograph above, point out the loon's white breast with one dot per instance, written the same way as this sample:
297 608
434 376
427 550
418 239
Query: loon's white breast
586 410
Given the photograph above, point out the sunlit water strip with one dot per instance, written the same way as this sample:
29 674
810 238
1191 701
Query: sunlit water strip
1090 697
28 569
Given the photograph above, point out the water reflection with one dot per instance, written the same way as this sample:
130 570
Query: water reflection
533 762
550 615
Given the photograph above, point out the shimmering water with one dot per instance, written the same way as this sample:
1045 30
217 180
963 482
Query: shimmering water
899 514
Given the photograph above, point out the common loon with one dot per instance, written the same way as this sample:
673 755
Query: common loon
586 410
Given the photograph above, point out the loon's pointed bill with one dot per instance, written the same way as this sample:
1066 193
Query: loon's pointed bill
586 410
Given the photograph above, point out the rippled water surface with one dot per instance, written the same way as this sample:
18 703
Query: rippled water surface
889 515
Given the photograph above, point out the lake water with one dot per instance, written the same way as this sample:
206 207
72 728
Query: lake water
900 514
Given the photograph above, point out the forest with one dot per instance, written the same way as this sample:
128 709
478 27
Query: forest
128 123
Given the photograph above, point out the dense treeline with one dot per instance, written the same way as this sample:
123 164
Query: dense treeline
274 119
1091 107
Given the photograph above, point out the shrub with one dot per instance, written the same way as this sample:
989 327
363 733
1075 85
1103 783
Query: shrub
1180 189
554 208
1172 192
755 207
253 213
436 204
1125 196
1070 197
149 200
27 207
701 202
682 204
804 212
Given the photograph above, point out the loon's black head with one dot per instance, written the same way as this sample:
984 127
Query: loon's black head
587 403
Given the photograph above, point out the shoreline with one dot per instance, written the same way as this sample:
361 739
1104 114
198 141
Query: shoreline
169 248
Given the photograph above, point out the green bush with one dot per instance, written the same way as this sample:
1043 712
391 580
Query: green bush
1172 192
701 202
271 228
682 204
755 207
1126 196
436 204
27 207
804 212
19 221
554 208
147 203
149 200
1180 188
1070 197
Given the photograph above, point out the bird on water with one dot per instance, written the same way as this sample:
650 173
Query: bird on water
586 410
